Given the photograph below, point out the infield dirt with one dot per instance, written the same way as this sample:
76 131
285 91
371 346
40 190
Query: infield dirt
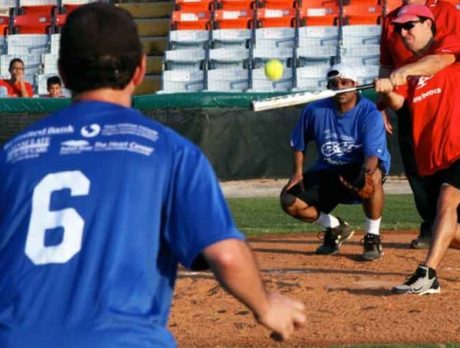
348 301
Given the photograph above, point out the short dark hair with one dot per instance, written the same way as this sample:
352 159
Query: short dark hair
99 48
15 60
53 80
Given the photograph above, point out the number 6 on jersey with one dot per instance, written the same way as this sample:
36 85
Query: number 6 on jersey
43 219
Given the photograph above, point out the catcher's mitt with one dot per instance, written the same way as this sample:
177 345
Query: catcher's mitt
363 186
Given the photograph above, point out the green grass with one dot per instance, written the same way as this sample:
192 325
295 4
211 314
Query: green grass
256 216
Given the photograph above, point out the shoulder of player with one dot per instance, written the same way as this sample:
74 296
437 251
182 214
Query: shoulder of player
442 6
367 108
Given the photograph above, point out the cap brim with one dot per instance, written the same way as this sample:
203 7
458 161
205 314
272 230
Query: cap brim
405 18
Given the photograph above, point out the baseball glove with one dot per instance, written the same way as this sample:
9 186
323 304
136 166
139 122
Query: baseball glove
363 186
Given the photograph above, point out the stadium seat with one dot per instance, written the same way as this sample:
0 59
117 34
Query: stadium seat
229 57
319 16
260 82
358 35
193 5
275 37
314 36
263 54
230 37
26 44
361 55
318 3
275 18
187 59
235 4
49 63
4 25
34 20
190 20
182 81
62 14
233 19
278 4
362 14
188 38
228 80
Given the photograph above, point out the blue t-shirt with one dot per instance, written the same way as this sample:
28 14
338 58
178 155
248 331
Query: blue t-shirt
342 139
98 204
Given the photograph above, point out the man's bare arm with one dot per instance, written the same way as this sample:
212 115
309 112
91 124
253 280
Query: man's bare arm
235 267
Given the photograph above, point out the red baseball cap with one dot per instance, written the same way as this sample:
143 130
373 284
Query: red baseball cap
412 12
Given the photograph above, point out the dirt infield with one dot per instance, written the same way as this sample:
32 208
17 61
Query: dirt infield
348 301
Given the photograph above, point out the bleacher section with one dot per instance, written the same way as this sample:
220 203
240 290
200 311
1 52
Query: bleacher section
222 45
31 32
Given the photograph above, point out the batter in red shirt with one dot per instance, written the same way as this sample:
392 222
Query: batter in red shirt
429 82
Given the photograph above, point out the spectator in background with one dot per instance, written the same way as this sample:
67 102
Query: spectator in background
54 87
17 85
394 54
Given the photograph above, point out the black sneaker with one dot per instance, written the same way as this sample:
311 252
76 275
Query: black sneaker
372 247
334 237
423 281
423 241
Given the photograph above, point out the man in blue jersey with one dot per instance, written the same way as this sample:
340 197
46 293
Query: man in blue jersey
352 153
99 204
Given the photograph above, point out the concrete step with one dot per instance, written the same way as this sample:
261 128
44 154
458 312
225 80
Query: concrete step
153 26
154 65
150 85
149 9
154 45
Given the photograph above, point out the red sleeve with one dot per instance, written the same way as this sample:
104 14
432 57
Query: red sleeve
449 44
30 89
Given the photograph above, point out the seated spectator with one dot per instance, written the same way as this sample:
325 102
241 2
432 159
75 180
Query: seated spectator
54 87
17 85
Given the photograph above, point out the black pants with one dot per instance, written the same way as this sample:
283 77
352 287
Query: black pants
426 207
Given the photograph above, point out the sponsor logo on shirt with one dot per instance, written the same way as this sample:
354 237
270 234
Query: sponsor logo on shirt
91 130
427 94
335 148
26 149
74 146
423 80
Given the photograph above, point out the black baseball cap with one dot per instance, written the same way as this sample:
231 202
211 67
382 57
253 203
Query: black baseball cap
99 42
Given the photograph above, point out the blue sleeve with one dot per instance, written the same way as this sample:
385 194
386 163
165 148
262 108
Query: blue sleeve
298 141
198 215
375 141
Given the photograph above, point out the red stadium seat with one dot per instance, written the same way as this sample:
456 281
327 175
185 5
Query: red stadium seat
362 14
34 20
319 3
236 4
278 4
4 25
328 15
190 20
237 19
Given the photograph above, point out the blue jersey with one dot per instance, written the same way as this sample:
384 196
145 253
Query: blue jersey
342 139
98 204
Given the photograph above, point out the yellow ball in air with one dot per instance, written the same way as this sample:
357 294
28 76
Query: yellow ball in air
274 69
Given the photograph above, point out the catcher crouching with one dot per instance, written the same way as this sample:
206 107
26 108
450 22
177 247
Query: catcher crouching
351 165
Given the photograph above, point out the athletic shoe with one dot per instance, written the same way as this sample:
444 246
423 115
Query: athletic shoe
421 242
372 247
334 237
423 281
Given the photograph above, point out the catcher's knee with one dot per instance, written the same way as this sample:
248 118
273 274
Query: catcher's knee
287 200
